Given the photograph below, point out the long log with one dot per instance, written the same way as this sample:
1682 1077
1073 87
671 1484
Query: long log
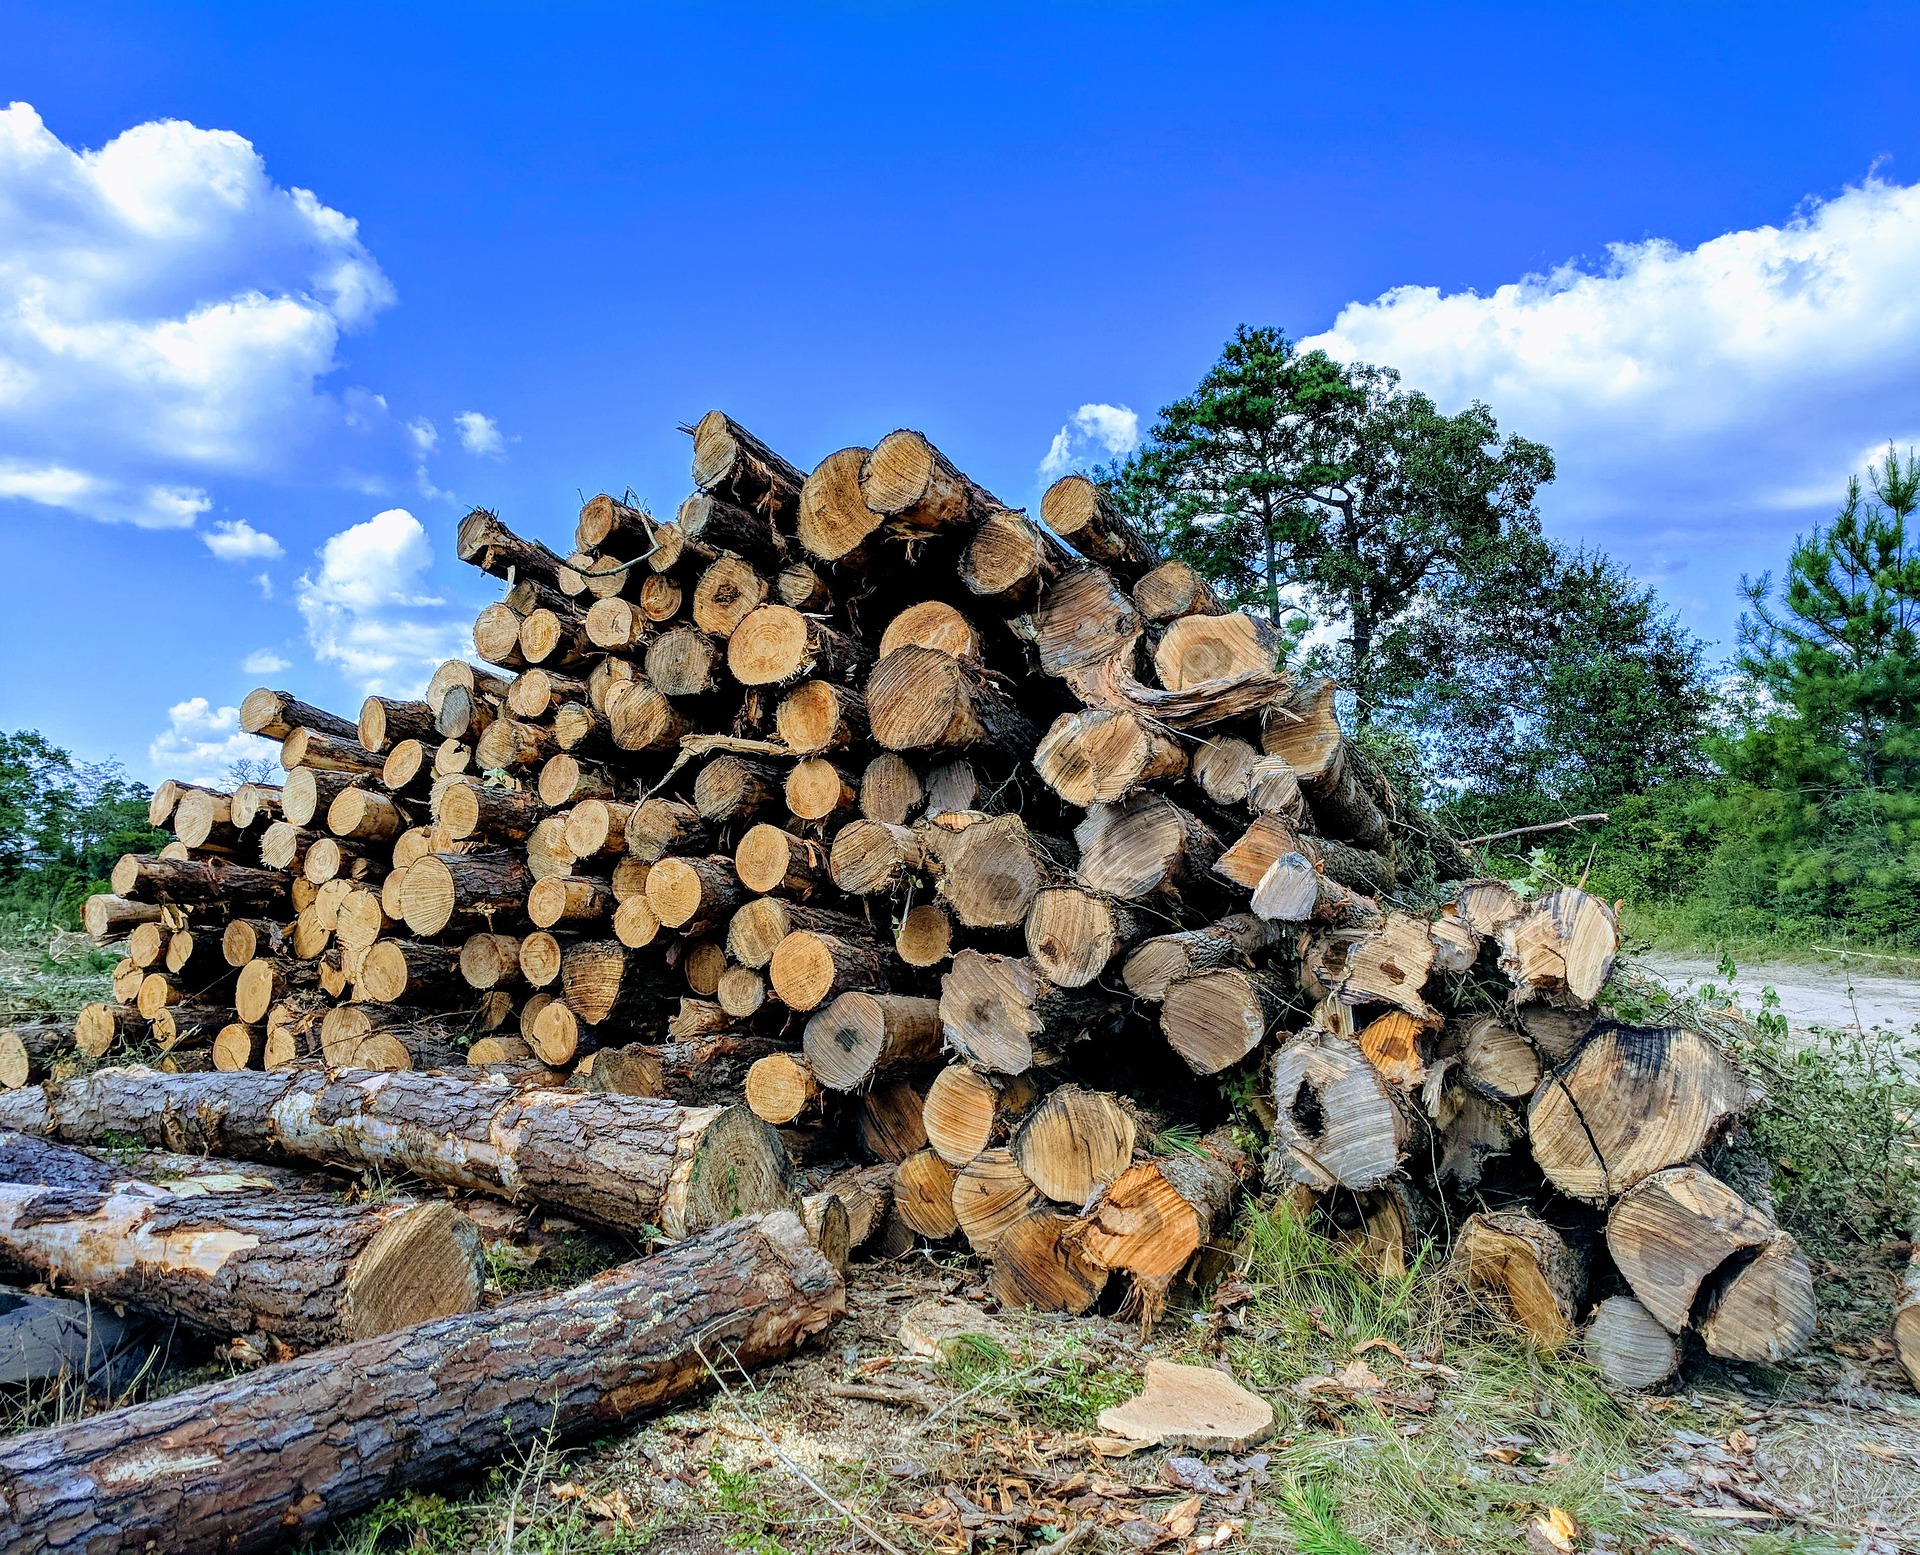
199 882
298 1267
622 1161
276 714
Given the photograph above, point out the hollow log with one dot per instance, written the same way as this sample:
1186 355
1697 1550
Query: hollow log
1338 1124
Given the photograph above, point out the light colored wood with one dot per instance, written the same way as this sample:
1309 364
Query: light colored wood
1538 1278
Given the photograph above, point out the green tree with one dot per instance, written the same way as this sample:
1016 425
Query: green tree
1286 470
63 823
1554 684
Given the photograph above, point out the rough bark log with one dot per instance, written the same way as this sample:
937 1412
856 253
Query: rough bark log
768 859
809 968
472 887
731 463
483 541
276 714
1079 512
241 888
1232 941
776 645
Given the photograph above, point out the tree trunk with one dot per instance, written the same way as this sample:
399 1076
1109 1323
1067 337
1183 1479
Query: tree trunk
385 722
694 895
754 932
781 1088
311 748
729 462
989 871
622 1162
1145 845
727 593
808 968
1628 1347
768 859
240 888
862 1033
484 542
276 714
776 646
28 1052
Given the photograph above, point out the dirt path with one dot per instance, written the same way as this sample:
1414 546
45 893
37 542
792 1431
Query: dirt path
1832 996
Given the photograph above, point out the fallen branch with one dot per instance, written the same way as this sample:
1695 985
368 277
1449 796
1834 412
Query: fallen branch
1528 831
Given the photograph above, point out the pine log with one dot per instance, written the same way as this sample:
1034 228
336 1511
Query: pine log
1224 767
1074 1143
619 624
548 855
513 742
1201 648
327 753
1271 837
1628 1347
702 964
923 1195
729 462
610 525
1173 590
640 718
910 483
1232 941
1273 788
308 793
624 1162
967 1111
1294 890
575 900
1073 934
924 935
396 971
1084 623
1766 1311
602 978
735 788
1144 845
729 590
408 769
694 894
107 917
889 1125
932 623
1215 1018
1630 1102
567 780
920 699
1008 560
1305 733
1077 510
808 968
472 888
276 714
776 645
535 694
712 521
816 790
990 1195
861 1033
873 858
757 929
1563 946
384 722
817 716
300 1268
1003 1017
28 1051
768 859
265 981
890 790
684 662
1539 1279
741 991
1038 1262
484 542
801 586
781 1088
1338 1124
1157 1216
203 820
243 890
658 827
989 871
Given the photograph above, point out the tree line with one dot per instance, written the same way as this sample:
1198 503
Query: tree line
1515 681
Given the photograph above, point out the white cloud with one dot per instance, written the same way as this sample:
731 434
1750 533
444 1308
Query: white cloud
367 608
425 435
264 661
1700 402
235 540
480 435
201 741
169 313
1094 429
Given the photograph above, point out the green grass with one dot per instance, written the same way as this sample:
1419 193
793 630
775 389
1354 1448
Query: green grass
1056 1379
47 971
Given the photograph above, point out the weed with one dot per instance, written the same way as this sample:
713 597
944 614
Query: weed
1314 1521
1063 1383
753 1513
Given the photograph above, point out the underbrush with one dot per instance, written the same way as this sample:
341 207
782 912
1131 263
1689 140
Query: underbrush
46 970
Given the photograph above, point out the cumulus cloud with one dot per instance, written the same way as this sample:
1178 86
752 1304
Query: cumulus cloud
264 661
1700 402
368 610
170 312
1095 430
480 435
202 741
235 540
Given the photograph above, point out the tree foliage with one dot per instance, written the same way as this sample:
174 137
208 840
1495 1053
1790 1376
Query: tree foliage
63 823
1289 471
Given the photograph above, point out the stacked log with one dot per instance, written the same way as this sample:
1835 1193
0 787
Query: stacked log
857 806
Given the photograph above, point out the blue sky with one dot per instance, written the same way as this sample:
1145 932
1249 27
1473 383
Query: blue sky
257 264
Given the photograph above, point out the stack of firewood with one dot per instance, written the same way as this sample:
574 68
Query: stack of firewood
866 846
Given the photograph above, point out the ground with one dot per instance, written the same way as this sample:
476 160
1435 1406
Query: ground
1832 991
1409 1419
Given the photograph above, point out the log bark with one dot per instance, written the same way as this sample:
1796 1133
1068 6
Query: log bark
694 894
768 859
473 1388
623 1162
28 1051
1630 1102
817 716
240 888
1232 941
300 1268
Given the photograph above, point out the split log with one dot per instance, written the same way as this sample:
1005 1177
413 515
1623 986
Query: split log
1078 511
1144 845
809 968
1631 1101
1213 1019
1003 1017
1073 934
1766 1311
1539 1279
862 1033
299 1268
921 699
1231 941
1389 963
1338 1124
276 714
776 645
619 1161
444 887
990 1195
1628 1347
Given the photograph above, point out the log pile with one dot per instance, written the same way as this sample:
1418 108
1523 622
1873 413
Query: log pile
853 843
